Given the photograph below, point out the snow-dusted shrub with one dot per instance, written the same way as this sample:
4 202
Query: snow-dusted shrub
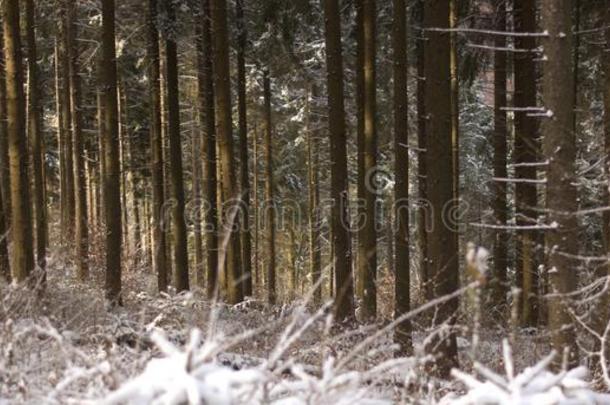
534 386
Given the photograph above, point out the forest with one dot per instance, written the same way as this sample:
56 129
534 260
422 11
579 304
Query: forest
305 202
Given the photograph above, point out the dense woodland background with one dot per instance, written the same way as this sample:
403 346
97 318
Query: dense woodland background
431 172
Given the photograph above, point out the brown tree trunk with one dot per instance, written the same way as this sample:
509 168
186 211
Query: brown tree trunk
196 169
181 270
442 241
500 137
224 130
269 191
526 153
156 147
421 157
5 268
22 254
208 146
367 156
342 255
559 147
243 148
402 284
35 136
5 178
112 189
313 163
81 224
258 282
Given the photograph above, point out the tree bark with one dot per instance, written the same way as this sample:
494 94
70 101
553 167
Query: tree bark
269 191
35 136
81 223
402 284
22 254
224 131
156 148
367 154
181 270
112 189
243 149
313 164
442 241
559 147
342 254
5 178
526 151
500 137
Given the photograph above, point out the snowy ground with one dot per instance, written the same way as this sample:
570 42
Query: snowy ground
66 347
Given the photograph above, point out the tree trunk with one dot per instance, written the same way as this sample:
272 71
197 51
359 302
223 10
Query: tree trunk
224 130
35 135
258 282
22 254
5 268
65 116
422 226
269 193
81 224
342 255
159 258
500 279
5 178
559 147
243 149
402 284
313 163
525 152
112 185
208 146
181 270
367 154
196 169
442 241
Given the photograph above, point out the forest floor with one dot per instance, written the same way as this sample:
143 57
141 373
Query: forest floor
68 347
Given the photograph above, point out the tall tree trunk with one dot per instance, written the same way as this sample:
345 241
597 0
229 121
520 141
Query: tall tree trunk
181 270
5 178
500 137
208 145
526 152
64 58
402 284
22 254
258 282
35 135
243 148
80 195
224 130
313 163
112 185
269 193
367 154
342 254
421 157
559 147
442 241
455 102
159 258
603 316
196 169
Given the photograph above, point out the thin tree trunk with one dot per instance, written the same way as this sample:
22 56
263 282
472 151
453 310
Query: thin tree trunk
22 254
559 148
5 268
243 148
367 154
35 136
313 163
402 284
442 241
81 223
342 255
181 270
112 189
269 191
208 146
526 151
255 212
500 137
5 178
196 169
224 130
